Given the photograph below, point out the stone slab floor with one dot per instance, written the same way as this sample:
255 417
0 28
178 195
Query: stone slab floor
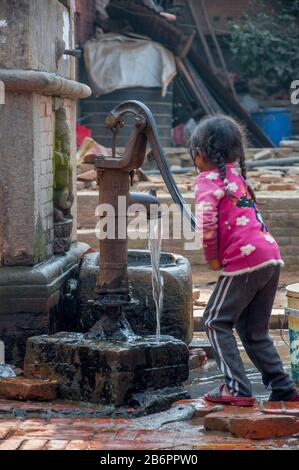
70 426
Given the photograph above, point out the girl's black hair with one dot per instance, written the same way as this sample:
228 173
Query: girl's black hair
221 139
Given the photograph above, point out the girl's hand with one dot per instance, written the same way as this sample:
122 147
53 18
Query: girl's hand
214 264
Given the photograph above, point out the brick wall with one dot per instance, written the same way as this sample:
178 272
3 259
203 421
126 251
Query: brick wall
44 168
280 212
44 137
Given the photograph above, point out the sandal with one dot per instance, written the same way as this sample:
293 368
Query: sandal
216 396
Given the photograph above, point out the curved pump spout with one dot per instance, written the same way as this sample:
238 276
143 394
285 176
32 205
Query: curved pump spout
114 174
150 130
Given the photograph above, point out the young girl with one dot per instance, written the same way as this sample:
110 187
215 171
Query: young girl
236 241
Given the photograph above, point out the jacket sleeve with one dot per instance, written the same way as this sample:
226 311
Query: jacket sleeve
207 198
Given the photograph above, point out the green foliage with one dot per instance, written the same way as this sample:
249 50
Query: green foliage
266 43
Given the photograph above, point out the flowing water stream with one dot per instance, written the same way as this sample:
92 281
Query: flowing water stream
154 243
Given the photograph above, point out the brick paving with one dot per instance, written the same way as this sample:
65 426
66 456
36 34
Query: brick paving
120 434
189 425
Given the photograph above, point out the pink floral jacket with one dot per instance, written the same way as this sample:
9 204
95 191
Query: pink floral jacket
233 229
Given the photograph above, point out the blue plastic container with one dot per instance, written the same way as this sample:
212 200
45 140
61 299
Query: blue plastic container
275 122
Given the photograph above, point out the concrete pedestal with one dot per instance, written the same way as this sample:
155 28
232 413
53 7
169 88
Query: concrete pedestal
106 372
31 298
37 167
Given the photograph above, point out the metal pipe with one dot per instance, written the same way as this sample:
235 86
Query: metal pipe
148 201
273 162
151 131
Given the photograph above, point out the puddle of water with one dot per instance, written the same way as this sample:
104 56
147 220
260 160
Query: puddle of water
154 242
208 377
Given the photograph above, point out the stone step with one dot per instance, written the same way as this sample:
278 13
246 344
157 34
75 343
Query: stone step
107 372
277 320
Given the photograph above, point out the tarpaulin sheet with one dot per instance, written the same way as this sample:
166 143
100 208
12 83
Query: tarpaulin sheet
115 61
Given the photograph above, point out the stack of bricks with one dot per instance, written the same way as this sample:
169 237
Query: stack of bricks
281 214
280 211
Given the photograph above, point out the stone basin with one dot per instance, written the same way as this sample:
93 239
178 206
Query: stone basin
177 315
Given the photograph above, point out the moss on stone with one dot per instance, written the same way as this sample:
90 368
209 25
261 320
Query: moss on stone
39 242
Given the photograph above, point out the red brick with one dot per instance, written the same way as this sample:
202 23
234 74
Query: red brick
271 178
216 422
11 423
281 186
99 445
264 426
12 443
168 437
60 421
125 445
33 444
56 444
196 294
77 444
220 421
98 422
121 421
126 434
5 430
30 424
20 388
147 435
32 407
105 435
90 175
63 434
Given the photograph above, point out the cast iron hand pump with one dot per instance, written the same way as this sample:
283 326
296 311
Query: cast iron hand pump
114 174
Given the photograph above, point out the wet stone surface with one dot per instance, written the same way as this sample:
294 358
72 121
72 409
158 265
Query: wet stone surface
174 429
106 372
176 319
80 425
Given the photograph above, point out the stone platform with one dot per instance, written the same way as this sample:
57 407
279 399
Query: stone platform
106 372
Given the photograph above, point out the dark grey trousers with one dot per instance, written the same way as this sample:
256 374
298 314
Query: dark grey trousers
245 302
